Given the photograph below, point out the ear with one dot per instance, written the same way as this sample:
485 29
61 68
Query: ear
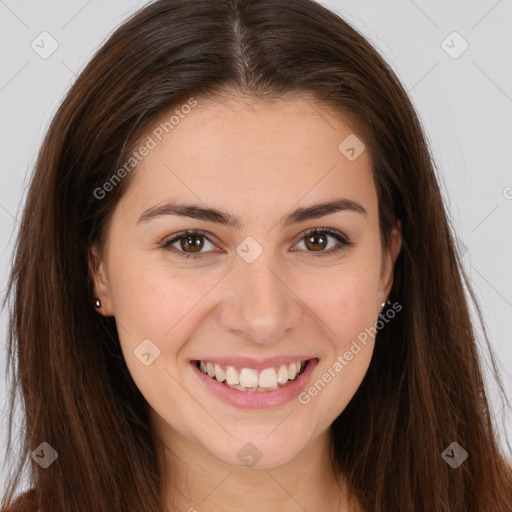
388 261
100 282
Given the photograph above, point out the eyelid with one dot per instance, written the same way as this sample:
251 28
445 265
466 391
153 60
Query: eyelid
343 242
167 242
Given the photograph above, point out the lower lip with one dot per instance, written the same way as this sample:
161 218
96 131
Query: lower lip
257 399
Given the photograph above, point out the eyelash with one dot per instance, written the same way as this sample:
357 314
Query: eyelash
344 242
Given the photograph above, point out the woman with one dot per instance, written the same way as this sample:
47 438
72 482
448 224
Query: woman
235 284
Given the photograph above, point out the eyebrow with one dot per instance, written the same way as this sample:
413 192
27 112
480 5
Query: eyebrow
214 215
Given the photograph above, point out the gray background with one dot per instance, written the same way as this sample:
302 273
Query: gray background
464 104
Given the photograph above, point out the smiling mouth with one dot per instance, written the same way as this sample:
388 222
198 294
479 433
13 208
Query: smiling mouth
252 380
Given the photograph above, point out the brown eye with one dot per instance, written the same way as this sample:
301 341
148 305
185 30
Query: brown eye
190 243
317 240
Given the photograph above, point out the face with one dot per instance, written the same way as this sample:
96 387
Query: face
254 289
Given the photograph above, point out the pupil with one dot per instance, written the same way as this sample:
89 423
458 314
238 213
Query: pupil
315 237
197 245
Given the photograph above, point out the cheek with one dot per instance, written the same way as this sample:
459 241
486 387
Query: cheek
148 296
155 317
348 311
347 303
150 303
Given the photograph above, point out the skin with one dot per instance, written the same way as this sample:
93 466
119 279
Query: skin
257 160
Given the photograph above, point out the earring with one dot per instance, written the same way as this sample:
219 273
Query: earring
384 303
97 304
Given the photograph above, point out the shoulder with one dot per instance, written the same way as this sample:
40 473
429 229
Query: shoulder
25 502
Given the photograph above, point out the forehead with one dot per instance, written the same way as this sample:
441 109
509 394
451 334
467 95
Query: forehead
253 153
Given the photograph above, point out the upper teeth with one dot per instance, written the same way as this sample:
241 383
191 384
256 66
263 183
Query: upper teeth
249 377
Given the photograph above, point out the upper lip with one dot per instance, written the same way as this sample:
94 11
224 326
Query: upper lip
257 364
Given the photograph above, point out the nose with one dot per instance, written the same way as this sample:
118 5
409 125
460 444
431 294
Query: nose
261 305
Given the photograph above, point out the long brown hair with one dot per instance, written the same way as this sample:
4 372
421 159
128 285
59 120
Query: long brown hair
424 388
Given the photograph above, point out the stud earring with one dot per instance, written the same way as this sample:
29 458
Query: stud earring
384 303
97 304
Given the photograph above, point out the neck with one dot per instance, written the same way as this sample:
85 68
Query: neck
194 480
